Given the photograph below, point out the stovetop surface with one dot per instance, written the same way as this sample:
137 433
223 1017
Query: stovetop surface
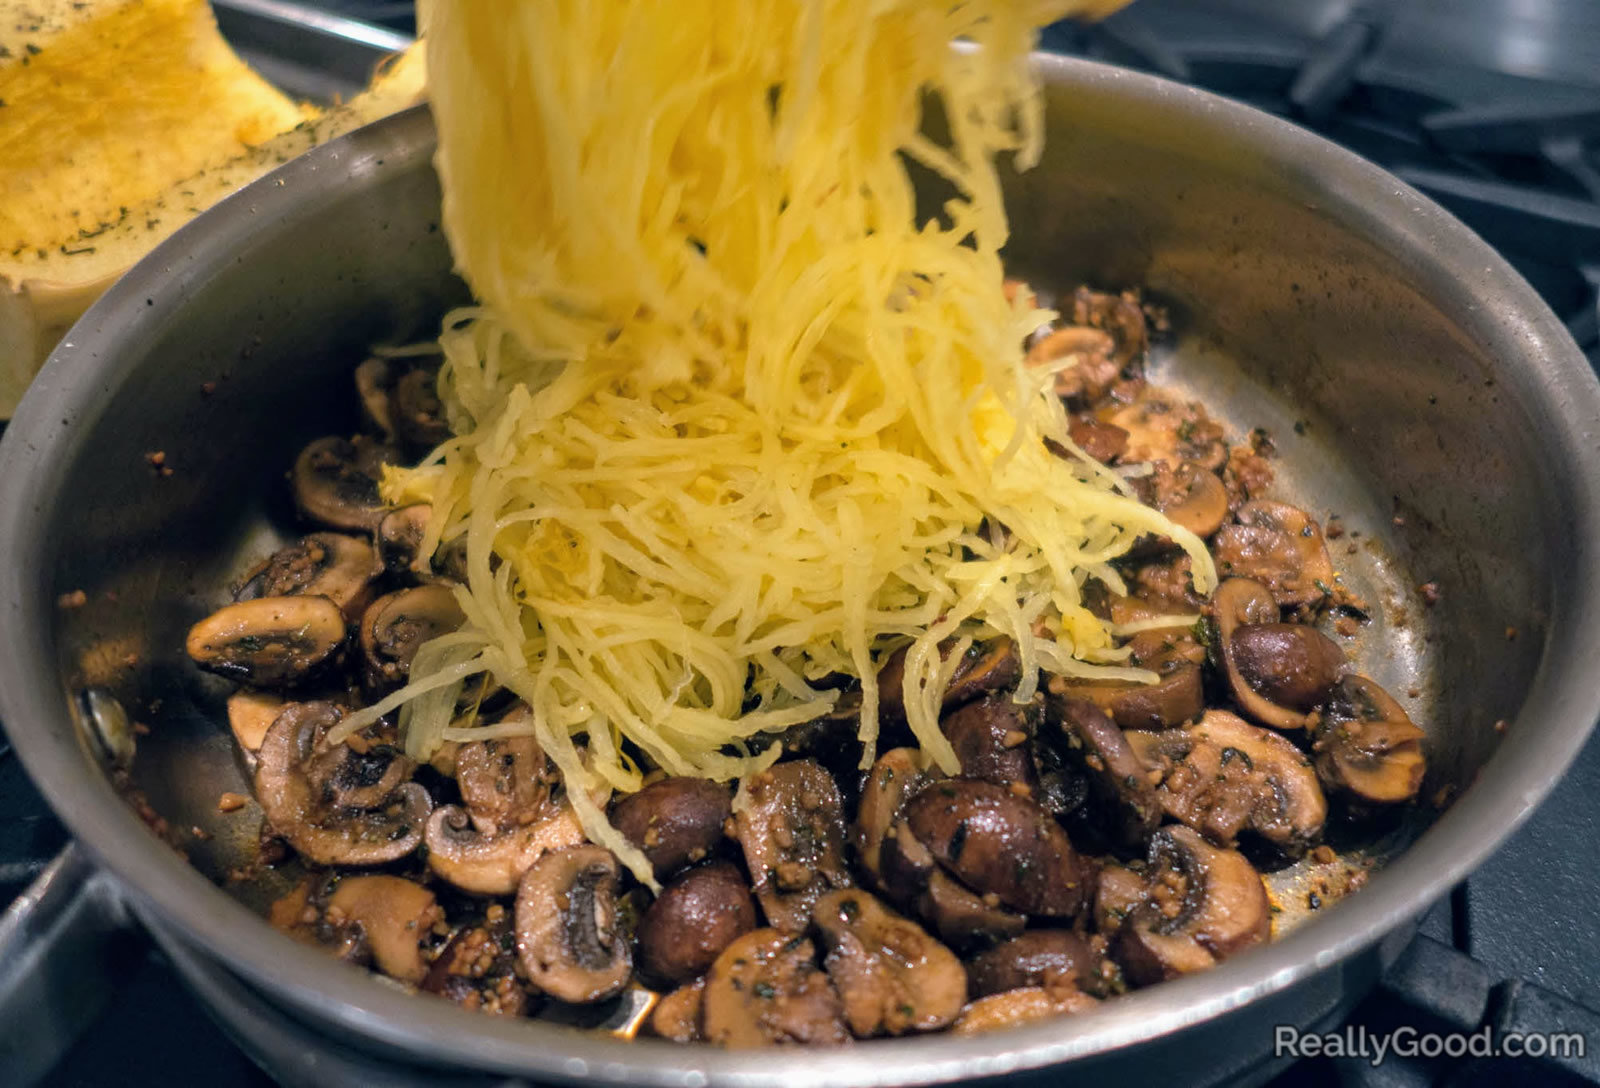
1492 107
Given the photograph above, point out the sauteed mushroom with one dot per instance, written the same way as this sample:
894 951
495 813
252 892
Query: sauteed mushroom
1278 672
986 667
998 843
493 864
335 481
1165 429
1039 957
396 917
675 821
792 832
1105 442
1122 805
1202 904
375 378
1025 1005
892 977
677 1015
395 625
1223 776
1093 368
765 988
270 640
1191 496
1367 745
696 916
399 537
1118 314
991 738
322 832
418 415
896 775
250 715
477 968
1279 546
331 565
567 932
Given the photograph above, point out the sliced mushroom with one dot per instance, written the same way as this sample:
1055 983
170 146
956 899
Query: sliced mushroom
766 989
1119 890
360 773
1121 805
1278 672
1279 546
1192 497
250 715
301 812
269 641
896 775
418 414
676 821
332 565
375 378
1104 442
986 667
1203 905
1120 315
399 537
494 864
396 625
1177 696
963 918
1169 430
335 481
507 782
792 832
477 969
567 932
1367 745
677 1015
997 843
1093 368
396 917
693 919
1013 1008
1040 957
1224 776
1167 583
991 738
892 977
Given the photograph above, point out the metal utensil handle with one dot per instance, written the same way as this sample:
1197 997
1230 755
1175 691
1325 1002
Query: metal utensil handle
61 941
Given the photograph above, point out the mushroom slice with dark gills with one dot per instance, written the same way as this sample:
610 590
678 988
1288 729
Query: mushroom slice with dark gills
1121 805
399 536
567 926
766 989
985 667
791 828
332 565
896 775
418 413
694 918
335 481
991 737
676 822
477 969
301 785
1201 905
1278 672
1367 746
1223 776
270 641
999 844
512 815
892 977
395 625
1165 429
383 920
1279 546
1191 496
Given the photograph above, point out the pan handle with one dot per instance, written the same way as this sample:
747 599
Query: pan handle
62 942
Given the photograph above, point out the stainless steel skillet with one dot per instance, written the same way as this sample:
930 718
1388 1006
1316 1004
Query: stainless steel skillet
1429 384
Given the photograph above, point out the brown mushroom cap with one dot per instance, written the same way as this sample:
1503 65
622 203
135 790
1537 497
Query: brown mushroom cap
299 812
506 782
1038 957
792 833
395 915
494 864
1368 746
892 977
418 413
396 625
335 481
1123 806
567 933
675 821
694 918
1279 546
1013 1008
1203 904
991 738
765 988
270 641
985 667
1224 776
1193 498
997 843
337 566
897 774
677 1015
1277 672
399 537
